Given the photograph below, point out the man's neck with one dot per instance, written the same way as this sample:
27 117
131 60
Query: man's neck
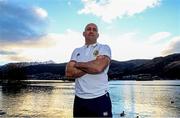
90 43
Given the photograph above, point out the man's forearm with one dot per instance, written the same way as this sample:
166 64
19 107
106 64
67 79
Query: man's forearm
75 74
72 72
90 67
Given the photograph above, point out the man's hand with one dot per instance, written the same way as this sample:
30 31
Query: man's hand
72 71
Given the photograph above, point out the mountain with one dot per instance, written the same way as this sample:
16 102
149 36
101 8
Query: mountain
121 68
22 64
167 66
172 69
163 67
46 68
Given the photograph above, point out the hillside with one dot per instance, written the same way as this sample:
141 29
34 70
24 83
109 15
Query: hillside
120 68
167 66
163 67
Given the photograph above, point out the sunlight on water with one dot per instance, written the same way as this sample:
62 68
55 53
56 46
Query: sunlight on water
52 99
145 99
40 101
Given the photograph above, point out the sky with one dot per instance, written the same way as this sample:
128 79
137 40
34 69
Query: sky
49 30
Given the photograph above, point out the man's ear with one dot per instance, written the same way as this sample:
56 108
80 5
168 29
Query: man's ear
97 35
84 34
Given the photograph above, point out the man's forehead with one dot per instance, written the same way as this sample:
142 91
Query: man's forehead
91 25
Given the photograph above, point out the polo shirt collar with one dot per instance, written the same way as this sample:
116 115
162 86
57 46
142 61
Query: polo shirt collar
91 45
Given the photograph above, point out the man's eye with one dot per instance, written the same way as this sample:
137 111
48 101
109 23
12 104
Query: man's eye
94 29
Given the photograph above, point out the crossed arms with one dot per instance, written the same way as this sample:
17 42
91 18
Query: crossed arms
77 69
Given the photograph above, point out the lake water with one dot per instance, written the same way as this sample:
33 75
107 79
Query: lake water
52 99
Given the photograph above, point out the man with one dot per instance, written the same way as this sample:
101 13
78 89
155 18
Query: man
89 65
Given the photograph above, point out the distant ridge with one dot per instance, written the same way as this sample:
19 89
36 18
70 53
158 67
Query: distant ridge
167 67
22 64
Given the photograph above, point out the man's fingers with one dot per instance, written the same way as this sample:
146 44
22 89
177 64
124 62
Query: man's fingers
71 63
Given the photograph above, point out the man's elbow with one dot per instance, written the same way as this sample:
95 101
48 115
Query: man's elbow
99 70
68 74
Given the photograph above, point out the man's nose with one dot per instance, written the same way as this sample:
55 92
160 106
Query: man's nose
91 31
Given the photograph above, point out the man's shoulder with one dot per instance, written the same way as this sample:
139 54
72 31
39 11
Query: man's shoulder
78 48
103 45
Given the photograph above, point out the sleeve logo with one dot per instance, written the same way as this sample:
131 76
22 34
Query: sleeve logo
78 54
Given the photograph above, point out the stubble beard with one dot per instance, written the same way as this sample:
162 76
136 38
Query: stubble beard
91 40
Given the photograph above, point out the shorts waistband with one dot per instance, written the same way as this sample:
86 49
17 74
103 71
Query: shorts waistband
105 95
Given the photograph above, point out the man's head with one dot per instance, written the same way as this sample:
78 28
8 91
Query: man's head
91 33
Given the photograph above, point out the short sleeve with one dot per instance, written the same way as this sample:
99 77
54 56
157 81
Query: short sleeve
105 50
74 55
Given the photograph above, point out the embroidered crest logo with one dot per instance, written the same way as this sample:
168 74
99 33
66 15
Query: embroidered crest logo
95 53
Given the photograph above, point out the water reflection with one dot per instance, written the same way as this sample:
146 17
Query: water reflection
143 99
140 99
37 101
10 90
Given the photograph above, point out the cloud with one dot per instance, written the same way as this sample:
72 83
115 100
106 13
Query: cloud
130 45
60 50
56 47
40 12
3 52
18 22
159 36
16 58
110 10
173 46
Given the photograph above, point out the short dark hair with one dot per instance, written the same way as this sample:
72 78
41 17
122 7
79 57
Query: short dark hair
91 24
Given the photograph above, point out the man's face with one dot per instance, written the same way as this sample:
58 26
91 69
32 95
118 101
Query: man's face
91 32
